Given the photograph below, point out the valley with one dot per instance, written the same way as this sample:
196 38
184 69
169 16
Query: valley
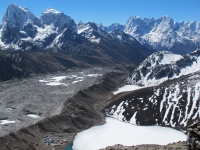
80 109
84 86
42 95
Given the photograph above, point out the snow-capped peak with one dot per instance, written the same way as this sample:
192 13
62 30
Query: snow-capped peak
17 16
51 10
79 22
58 19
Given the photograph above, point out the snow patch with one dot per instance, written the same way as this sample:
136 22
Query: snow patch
6 121
133 119
127 88
33 116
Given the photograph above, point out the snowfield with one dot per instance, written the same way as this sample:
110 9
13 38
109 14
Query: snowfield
127 88
117 132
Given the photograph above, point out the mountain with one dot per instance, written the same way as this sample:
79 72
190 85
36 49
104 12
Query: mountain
164 65
20 29
174 103
9 69
58 19
112 27
169 96
15 19
58 33
164 33
116 45
161 34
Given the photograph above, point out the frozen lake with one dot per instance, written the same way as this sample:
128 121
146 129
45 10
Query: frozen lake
117 132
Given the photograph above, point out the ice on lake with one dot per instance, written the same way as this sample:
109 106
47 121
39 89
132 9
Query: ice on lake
117 132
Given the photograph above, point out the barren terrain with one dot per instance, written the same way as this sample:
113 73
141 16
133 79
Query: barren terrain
26 101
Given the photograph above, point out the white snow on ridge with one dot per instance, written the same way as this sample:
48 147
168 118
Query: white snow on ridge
45 32
82 30
117 132
170 58
191 69
133 119
127 88
162 66
95 40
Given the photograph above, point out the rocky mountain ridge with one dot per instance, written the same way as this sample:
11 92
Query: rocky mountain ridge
169 95
163 33
164 65
58 33
173 103
21 30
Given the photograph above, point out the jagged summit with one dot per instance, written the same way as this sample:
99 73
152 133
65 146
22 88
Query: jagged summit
164 33
79 22
17 16
58 19
159 34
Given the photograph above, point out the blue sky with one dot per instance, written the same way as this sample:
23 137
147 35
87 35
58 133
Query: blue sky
113 11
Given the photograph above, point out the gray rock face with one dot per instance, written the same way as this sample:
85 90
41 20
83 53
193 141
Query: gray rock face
164 65
58 19
15 20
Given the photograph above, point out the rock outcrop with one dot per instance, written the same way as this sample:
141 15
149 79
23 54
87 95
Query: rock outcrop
194 136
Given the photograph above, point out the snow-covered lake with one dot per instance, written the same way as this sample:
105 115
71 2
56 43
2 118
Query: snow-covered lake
117 132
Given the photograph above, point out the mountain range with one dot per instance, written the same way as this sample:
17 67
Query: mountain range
168 80
161 34
56 32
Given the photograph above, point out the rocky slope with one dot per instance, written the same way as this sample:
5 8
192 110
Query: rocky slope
9 69
164 65
19 64
79 112
173 103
